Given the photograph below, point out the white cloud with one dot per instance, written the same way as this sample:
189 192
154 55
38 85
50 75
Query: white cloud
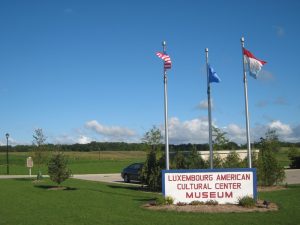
114 132
196 131
283 130
84 139
204 104
190 131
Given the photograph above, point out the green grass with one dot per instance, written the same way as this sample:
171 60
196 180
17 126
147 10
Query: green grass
79 162
282 157
24 202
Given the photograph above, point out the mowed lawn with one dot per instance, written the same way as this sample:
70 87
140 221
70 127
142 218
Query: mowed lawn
79 162
26 202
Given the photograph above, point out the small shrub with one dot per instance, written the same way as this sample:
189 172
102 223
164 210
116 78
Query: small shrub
164 201
160 201
247 202
295 162
169 200
197 203
212 202
57 168
181 203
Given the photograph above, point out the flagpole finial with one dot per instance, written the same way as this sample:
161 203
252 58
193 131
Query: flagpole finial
164 43
242 39
206 49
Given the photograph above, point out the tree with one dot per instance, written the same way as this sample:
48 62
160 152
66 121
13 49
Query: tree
179 161
218 161
39 151
220 140
57 168
232 160
269 171
153 138
195 161
151 171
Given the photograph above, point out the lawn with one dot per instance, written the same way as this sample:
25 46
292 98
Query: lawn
79 162
27 203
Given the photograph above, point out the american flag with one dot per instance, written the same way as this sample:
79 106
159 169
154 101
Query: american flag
166 58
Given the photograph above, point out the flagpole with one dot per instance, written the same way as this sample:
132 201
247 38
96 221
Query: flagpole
209 113
166 112
246 107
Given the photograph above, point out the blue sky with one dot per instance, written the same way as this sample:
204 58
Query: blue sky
87 71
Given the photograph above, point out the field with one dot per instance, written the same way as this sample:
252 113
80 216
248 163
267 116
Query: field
26 202
94 162
79 162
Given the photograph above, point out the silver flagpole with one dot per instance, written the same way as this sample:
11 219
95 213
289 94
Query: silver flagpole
246 107
166 112
209 114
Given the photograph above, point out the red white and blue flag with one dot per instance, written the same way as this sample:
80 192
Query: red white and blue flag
166 58
253 64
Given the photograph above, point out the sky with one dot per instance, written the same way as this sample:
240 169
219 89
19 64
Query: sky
87 71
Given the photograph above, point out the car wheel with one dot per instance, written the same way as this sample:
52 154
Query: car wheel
126 178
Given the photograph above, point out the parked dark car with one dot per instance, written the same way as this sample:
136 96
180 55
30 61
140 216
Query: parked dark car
132 172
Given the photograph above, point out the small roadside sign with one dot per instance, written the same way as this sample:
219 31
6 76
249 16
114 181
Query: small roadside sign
29 164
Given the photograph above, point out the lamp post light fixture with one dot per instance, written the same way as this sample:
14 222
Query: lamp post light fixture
7 162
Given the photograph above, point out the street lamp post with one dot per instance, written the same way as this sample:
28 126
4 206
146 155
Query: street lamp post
7 162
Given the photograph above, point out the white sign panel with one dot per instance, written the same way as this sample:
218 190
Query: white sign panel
29 162
221 185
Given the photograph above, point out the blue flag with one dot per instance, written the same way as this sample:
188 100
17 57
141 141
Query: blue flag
212 75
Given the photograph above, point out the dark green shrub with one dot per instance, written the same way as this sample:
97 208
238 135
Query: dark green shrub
179 161
151 171
218 161
295 162
195 161
232 160
181 204
212 202
269 170
294 156
164 200
197 203
57 168
247 202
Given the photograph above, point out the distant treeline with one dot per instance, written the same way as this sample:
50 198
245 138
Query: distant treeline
122 146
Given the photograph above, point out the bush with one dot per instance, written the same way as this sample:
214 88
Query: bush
232 160
295 162
218 161
57 168
247 202
269 170
164 200
181 204
212 202
169 200
197 203
294 156
151 171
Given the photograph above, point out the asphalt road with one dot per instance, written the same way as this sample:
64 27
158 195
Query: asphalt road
292 177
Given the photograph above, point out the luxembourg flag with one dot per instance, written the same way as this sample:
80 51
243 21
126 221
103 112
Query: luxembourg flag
253 65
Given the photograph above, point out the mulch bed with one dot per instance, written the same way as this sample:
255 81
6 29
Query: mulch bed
227 208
